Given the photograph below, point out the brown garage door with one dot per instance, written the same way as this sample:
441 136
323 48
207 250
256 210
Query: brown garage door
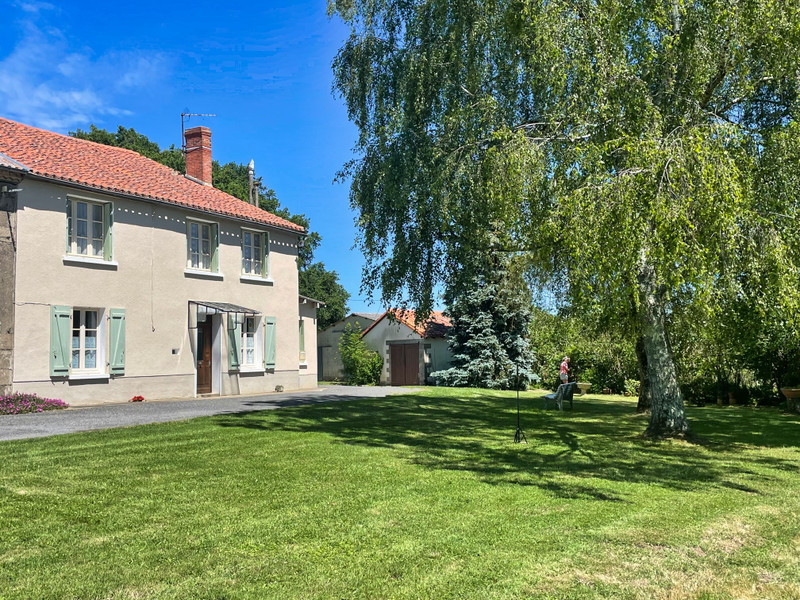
404 364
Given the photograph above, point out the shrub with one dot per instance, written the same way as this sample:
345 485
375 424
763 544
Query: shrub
18 403
361 365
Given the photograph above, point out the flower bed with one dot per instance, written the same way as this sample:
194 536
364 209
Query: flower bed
19 403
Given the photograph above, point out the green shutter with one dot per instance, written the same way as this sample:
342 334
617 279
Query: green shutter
108 222
265 255
60 320
234 343
69 222
302 335
241 267
215 248
269 342
116 341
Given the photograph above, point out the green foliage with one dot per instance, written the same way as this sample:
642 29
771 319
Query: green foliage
362 366
489 338
602 357
319 283
623 145
130 139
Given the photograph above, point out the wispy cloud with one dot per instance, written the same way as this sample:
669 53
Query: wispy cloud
47 83
34 7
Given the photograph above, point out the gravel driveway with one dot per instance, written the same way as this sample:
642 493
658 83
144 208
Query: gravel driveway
107 416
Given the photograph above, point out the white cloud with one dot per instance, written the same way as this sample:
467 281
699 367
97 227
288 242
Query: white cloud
47 84
35 7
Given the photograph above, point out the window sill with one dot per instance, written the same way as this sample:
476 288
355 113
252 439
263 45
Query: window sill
88 260
303 365
203 274
88 376
256 279
247 370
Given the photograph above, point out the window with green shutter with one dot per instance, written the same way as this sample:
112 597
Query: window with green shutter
255 253
89 228
202 246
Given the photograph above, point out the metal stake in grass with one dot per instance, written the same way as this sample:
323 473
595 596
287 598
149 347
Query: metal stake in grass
519 436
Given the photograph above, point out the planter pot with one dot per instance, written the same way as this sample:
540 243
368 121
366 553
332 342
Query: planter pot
584 387
792 399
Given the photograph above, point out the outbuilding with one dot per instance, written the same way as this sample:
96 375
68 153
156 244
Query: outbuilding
411 350
329 359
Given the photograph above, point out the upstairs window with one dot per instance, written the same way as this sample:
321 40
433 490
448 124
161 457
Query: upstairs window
201 246
89 229
255 253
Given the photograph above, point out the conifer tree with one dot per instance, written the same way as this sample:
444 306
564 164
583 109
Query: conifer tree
491 314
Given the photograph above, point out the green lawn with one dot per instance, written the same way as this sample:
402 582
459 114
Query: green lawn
419 496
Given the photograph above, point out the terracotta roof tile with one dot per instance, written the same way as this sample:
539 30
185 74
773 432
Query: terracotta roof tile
437 325
101 167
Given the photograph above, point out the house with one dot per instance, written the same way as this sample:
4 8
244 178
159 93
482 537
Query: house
411 351
329 360
122 277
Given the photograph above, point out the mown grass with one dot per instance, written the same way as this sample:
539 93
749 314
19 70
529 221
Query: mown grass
417 496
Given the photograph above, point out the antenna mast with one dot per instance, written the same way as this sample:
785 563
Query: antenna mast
183 127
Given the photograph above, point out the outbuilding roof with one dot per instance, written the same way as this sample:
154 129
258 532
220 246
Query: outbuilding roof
437 325
107 168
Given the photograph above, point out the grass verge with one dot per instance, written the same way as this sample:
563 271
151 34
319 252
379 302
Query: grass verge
415 496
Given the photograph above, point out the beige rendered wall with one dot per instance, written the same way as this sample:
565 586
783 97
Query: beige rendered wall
148 281
308 368
328 343
378 339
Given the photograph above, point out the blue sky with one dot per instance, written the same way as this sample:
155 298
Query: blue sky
263 69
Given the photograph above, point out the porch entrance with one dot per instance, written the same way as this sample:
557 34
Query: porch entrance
404 363
204 357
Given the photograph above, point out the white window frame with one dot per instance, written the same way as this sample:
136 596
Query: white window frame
211 249
264 272
257 335
72 228
101 349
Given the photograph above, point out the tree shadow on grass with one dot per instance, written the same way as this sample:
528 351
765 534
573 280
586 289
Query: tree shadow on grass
583 453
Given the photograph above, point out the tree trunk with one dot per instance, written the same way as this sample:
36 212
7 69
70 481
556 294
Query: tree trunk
644 380
667 413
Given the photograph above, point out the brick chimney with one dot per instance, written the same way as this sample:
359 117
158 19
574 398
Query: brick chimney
198 153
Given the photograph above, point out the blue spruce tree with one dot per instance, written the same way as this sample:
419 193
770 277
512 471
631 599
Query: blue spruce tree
490 313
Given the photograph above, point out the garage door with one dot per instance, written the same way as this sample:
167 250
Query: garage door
404 364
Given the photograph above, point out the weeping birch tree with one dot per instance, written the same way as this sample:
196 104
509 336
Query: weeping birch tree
618 142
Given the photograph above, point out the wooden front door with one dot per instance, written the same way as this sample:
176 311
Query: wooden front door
204 357
404 364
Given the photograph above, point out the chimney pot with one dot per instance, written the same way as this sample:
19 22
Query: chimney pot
198 153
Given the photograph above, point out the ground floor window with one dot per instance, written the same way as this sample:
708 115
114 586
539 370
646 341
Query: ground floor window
251 356
87 352
87 341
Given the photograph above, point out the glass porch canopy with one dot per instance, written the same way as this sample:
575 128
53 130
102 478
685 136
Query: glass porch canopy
213 308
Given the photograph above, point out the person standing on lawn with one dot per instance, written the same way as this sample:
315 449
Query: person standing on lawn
564 371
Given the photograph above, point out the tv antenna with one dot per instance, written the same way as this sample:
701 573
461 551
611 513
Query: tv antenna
185 115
